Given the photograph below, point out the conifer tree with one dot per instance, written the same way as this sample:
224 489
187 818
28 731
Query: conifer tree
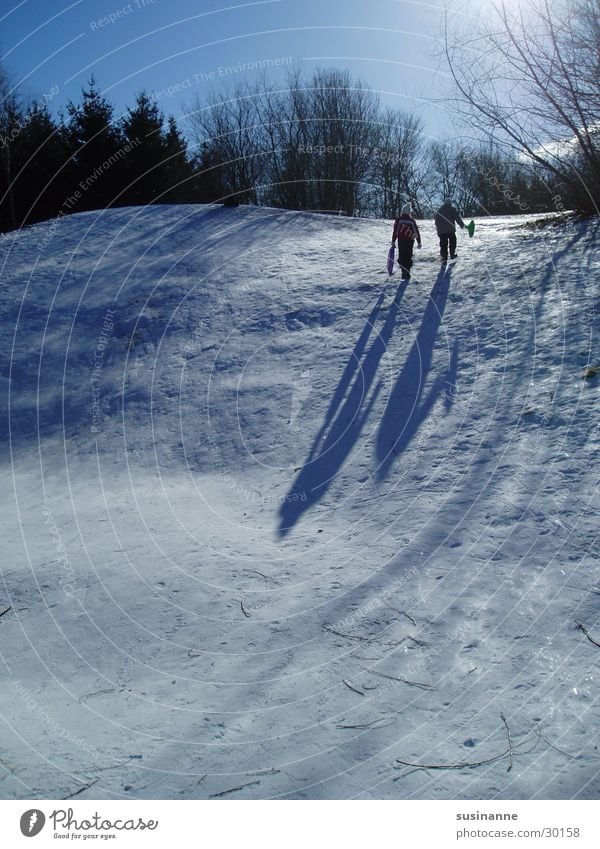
97 144
41 168
11 119
143 127
179 172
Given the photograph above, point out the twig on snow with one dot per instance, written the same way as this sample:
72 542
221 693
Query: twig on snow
418 642
194 653
471 764
395 643
360 692
560 751
81 789
117 766
510 747
11 769
270 771
464 765
347 636
581 627
244 611
96 693
371 724
402 613
402 680
232 790
5 610
267 578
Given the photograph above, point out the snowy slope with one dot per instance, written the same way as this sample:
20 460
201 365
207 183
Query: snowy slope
273 523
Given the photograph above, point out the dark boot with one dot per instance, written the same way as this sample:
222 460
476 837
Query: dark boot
452 240
444 239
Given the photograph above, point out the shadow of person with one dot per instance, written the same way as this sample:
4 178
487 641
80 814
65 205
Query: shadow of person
344 420
407 408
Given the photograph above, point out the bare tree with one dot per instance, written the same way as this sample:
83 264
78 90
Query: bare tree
341 119
450 173
534 86
400 167
309 145
284 117
229 127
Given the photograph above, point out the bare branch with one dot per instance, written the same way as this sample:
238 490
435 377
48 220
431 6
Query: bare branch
232 790
581 627
354 689
401 680
510 748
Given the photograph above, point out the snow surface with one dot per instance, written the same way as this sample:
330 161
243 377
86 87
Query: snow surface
276 523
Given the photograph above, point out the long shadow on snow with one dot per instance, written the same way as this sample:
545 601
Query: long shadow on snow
478 480
369 597
364 601
407 409
344 420
367 594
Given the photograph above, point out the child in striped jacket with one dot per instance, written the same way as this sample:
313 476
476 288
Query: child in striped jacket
406 233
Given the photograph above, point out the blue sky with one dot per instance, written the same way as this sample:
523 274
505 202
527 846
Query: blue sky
177 48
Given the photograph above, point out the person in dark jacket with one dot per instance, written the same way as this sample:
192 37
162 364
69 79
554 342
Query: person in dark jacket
446 219
406 233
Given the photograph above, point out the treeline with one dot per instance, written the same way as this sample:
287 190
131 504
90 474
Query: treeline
323 144
88 159
328 144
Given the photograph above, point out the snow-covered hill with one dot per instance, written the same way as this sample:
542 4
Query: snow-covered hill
273 524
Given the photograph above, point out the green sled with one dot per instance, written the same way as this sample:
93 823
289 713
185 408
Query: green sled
471 228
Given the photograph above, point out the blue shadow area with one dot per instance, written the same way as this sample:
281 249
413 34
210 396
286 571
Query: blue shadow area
408 407
344 420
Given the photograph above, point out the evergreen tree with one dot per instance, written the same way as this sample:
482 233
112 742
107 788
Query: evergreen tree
159 161
143 127
97 143
179 170
11 121
41 168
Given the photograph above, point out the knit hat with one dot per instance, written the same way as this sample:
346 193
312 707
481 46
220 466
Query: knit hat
406 209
